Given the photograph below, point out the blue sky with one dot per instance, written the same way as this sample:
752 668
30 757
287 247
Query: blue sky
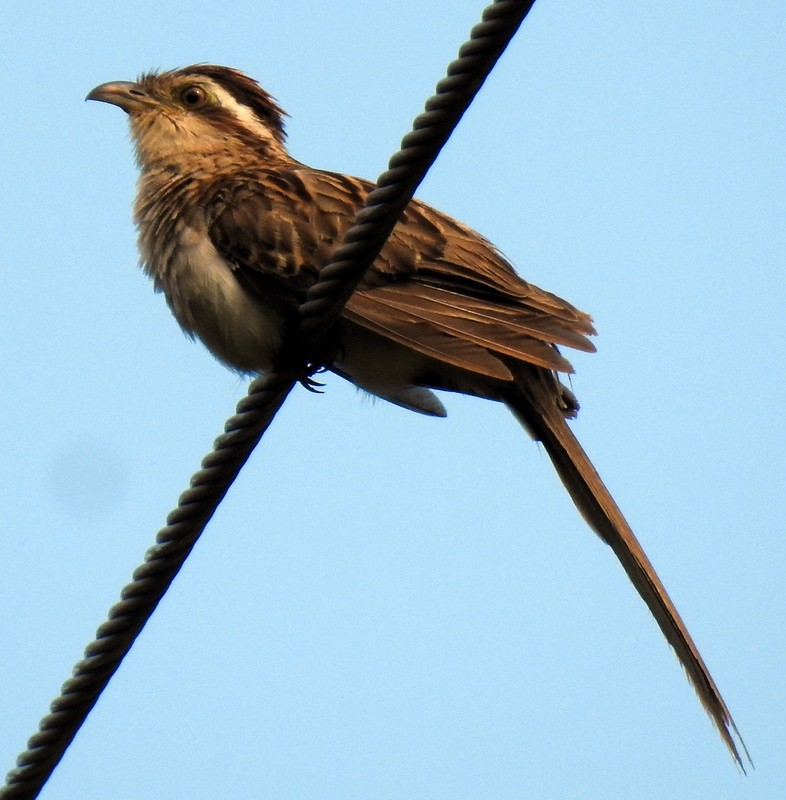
389 606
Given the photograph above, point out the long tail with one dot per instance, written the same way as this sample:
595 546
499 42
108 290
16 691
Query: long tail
534 405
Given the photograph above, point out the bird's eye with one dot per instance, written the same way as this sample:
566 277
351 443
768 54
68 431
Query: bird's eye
193 97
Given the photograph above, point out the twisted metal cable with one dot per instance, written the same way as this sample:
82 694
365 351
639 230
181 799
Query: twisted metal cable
139 598
361 245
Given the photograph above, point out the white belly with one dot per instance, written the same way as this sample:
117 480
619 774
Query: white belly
208 302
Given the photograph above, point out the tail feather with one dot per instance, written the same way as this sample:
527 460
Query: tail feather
533 403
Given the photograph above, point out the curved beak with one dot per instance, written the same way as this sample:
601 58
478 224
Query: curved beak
124 94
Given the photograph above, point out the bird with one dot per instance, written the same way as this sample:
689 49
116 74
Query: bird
233 230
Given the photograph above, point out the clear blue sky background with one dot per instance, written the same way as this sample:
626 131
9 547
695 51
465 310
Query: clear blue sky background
389 606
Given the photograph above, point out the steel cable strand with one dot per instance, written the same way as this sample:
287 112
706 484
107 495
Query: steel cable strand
139 598
256 410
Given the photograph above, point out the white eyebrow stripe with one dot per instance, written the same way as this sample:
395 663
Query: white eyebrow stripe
241 112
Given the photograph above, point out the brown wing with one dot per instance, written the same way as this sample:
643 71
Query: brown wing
437 287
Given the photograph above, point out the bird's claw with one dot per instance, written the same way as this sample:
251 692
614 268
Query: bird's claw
311 385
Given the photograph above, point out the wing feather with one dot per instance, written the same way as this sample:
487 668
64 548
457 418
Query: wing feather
489 335
421 336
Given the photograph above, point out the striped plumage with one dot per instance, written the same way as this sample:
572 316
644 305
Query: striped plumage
233 230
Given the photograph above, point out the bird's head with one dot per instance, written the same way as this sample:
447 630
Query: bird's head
201 110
